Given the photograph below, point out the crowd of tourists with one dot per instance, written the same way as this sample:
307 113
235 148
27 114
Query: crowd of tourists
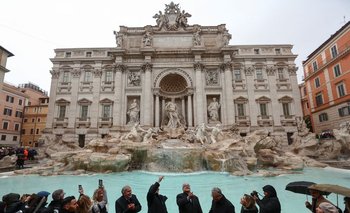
186 201
22 154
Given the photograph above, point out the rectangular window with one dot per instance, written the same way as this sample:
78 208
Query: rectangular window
278 51
39 120
5 125
88 54
238 76
16 127
280 73
33 120
7 112
319 99
256 51
263 110
20 102
304 91
314 66
37 131
14 138
323 117
336 69
334 51
18 114
285 107
109 76
62 112
240 109
3 137
23 131
344 111
341 90
259 74
88 76
317 82
68 54
106 111
84 111
9 99
31 131
65 77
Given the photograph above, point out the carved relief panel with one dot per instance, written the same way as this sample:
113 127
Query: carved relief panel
212 77
134 79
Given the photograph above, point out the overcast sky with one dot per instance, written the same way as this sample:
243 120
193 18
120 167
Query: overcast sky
31 30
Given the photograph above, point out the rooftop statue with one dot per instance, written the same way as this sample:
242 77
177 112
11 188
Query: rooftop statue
173 18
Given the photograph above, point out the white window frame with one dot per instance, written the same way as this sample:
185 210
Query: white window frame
317 82
337 70
314 66
341 90
334 51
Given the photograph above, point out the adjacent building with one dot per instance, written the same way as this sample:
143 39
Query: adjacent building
173 75
4 54
327 82
12 101
35 113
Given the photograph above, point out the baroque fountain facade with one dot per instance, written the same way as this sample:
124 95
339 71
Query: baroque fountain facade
175 97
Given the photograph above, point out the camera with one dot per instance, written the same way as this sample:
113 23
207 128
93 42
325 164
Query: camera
254 193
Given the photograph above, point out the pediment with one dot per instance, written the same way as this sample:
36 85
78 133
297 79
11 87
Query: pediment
241 99
106 101
84 101
286 99
263 99
62 101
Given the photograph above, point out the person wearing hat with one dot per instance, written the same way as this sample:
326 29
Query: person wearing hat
187 201
326 207
317 199
220 203
128 202
56 203
270 202
69 205
156 201
12 203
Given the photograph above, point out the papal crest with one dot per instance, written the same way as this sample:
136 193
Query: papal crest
173 18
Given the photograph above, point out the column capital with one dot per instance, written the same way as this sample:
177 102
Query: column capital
198 66
292 69
147 66
76 73
226 66
54 73
97 73
119 67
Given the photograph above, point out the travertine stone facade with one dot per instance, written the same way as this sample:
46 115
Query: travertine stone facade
97 91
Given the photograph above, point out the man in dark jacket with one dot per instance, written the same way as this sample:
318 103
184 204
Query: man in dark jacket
56 203
128 202
270 202
220 204
187 201
156 201
69 205
12 203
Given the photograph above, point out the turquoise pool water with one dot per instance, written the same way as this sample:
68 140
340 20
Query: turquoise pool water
201 183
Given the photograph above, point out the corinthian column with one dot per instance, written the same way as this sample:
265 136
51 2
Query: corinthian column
147 95
198 67
228 95
117 107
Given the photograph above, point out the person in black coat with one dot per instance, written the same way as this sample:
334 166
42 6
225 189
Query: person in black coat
128 202
220 204
156 201
187 201
248 204
270 202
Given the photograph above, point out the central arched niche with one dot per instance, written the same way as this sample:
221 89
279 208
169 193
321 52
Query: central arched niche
173 83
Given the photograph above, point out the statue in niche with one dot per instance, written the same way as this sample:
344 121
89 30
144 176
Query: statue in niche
134 79
147 39
182 19
215 133
212 78
197 38
134 112
213 110
161 19
173 115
